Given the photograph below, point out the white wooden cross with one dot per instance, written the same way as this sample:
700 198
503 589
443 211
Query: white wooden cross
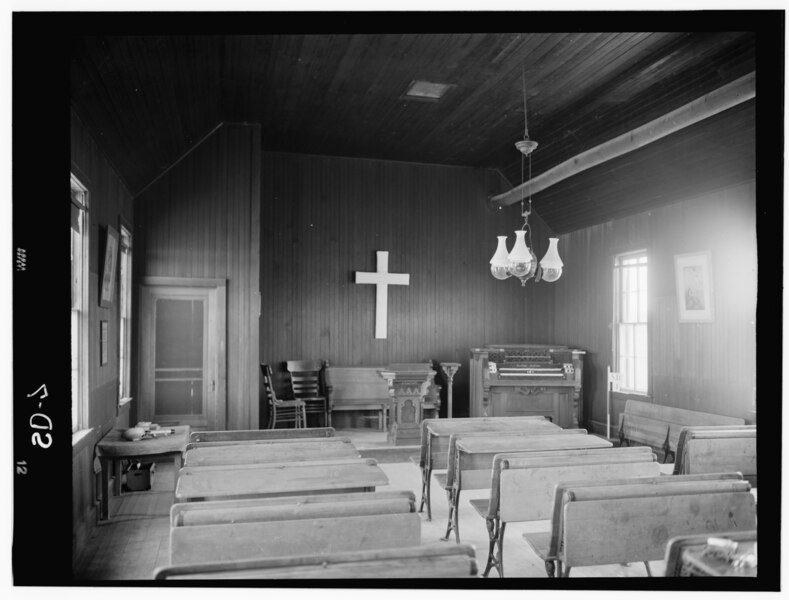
382 278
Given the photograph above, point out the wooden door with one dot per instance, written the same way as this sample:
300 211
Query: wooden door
182 353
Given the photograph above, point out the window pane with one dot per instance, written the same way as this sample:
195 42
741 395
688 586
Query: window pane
179 333
630 321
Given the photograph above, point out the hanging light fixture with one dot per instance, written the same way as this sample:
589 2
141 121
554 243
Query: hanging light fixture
521 262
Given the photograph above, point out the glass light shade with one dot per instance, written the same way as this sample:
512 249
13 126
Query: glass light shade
521 257
551 263
500 263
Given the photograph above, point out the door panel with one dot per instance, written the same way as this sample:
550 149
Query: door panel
182 343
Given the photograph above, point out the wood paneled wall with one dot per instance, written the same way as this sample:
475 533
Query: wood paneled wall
202 219
109 201
709 367
324 218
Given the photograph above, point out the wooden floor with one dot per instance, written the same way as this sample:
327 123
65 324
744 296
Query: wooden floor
136 539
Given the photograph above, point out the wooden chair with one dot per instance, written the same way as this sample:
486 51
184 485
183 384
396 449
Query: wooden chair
306 380
282 411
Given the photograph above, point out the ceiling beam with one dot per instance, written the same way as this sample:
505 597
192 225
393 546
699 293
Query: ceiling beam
731 94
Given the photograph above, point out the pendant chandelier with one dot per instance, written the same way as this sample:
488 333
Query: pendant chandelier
521 261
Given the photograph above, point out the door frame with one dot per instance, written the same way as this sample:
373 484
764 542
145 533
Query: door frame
216 414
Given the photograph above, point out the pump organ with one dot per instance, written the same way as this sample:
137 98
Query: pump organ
527 379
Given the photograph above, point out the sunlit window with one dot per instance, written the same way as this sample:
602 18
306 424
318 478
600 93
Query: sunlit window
79 304
125 313
630 321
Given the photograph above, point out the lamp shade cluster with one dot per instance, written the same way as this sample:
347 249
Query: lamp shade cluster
521 262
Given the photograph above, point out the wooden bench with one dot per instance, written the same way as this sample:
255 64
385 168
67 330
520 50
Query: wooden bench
356 389
363 388
185 514
716 450
522 485
658 426
677 565
259 434
329 448
416 562
632 519
471 463
304 440
434 443
288 529
277 479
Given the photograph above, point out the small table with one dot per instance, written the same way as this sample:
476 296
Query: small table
113 448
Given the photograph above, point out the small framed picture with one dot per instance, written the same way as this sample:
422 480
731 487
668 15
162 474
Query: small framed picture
694 287
103 342
108 270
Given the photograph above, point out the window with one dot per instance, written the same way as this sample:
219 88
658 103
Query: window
79 305
124 390
630 321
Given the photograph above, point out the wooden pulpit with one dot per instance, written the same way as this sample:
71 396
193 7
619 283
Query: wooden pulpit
408 387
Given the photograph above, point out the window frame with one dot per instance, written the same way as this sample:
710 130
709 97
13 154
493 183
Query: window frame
626 386
80 197
125 315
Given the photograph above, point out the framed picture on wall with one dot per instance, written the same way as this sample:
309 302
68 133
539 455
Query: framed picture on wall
108 270
694 287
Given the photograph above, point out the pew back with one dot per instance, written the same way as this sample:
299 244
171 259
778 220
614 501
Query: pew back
717 449
270 453
187 514
439 434
260 434
445 561
250 481
615 528
298 536
472 455
526 488
677 418
427 424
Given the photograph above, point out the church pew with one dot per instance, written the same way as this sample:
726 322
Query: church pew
260 434
270 453
471 459
717 449
237 511
659 426
293 530
435 443
631 519
289 508
678 418
522 485
676 547
272 441
415 562
251 481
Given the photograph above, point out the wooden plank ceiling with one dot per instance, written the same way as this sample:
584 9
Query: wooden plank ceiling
149 99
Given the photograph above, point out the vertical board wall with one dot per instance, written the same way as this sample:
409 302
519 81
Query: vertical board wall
109 201
710 367
324 218
202 219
